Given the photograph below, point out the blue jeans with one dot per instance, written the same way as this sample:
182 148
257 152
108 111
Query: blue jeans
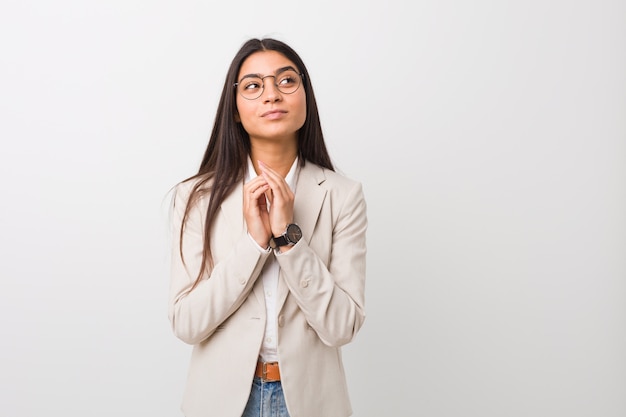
266 400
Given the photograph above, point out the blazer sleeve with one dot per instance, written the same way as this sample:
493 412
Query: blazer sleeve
332 297
196 312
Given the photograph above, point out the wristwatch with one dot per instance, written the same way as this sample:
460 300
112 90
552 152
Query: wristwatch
292 235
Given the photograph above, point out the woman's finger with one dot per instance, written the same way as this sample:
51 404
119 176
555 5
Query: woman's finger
280 188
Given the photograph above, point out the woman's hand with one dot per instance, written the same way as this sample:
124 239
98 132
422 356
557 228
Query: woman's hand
281 200
255 210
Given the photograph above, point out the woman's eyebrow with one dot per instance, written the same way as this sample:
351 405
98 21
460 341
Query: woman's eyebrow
278 71
283 69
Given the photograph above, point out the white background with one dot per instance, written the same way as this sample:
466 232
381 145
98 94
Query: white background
490 137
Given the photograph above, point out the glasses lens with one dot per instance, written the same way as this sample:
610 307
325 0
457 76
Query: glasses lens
250 87
288 81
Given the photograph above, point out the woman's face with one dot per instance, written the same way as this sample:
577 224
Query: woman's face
274 115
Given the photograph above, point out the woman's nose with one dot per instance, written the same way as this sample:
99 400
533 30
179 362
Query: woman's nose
270 90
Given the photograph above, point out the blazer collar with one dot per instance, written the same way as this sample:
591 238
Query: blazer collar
309 198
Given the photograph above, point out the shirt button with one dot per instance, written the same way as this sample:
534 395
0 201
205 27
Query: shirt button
269 293
304 283
268 340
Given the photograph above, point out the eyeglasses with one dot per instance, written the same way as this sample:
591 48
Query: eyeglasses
251 86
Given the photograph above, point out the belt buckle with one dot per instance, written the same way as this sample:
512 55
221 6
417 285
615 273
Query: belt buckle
264 371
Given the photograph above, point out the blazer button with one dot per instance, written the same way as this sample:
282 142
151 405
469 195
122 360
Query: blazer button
281 320
304 283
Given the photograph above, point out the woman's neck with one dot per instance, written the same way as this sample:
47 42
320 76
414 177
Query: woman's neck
277 156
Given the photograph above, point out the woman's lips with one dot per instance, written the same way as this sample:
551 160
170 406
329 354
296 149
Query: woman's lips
273 114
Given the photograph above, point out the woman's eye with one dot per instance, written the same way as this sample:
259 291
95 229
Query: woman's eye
252 85
288 80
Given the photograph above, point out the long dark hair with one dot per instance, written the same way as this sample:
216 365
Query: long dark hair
224 162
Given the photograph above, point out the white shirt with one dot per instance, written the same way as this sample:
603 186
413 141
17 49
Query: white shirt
269 276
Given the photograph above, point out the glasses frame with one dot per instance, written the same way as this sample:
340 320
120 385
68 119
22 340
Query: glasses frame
301 75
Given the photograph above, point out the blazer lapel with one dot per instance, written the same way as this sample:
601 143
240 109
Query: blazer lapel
232 209
307 205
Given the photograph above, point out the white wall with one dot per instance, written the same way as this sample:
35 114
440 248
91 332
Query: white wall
490 138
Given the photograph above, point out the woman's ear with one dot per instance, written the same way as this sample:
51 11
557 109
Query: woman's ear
237 118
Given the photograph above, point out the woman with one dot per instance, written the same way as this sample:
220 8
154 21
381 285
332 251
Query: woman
268 265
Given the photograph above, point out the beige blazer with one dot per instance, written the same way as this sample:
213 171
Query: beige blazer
320 299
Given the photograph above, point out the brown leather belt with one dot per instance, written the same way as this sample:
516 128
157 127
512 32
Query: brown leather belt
268 371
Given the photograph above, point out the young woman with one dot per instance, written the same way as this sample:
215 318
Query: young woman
268 265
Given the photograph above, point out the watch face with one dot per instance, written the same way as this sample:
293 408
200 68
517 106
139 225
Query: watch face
294 233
